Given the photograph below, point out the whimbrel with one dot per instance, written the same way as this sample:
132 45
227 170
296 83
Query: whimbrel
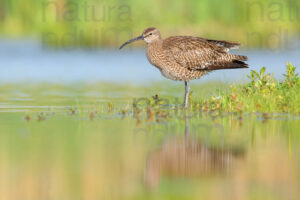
184 58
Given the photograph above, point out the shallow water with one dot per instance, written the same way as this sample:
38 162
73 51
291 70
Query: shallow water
83 146
28 60
64 138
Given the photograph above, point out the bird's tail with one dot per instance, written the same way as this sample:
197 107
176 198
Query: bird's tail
238 62
239 57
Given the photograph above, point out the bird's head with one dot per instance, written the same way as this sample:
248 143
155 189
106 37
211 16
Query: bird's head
149 35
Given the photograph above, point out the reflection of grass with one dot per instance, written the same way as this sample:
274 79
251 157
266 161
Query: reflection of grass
64 157
91 142
229 19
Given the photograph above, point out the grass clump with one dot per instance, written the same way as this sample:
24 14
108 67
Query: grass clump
263 94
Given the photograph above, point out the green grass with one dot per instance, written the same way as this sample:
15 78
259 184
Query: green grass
254 23
263 95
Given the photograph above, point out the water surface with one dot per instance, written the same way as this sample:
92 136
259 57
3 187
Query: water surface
62 137
81 146
30 61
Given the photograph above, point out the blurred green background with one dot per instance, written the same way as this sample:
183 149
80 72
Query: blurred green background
255 23
71 127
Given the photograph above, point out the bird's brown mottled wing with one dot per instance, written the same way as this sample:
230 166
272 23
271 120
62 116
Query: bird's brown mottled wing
201 54
226 44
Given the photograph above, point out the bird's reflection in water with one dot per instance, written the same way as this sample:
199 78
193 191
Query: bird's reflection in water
184 157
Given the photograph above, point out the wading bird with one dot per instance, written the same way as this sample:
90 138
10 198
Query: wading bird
184 58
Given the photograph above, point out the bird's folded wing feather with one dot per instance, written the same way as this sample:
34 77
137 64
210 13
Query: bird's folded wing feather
197 53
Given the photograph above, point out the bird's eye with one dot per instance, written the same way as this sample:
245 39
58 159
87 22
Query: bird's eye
150 34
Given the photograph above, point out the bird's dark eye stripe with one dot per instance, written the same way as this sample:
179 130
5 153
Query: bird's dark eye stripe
150 34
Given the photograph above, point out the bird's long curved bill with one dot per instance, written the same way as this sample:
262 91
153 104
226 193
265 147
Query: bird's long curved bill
132 40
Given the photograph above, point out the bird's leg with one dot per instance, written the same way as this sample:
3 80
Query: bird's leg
187 91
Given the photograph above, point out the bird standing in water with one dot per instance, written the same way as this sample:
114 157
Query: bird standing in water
185 58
